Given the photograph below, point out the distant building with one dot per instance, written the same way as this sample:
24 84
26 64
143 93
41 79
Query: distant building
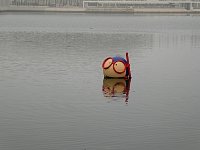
52 3
4 4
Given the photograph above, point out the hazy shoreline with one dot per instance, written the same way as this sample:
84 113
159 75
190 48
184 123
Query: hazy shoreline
84 10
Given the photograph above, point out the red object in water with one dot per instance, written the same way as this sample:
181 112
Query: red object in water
127 59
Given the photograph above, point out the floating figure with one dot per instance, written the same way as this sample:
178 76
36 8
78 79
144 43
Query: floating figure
116 67
116 88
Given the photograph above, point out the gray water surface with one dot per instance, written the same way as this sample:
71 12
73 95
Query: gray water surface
51 82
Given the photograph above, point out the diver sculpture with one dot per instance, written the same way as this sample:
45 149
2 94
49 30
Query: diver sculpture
116 67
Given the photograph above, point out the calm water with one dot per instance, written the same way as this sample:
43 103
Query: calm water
51 82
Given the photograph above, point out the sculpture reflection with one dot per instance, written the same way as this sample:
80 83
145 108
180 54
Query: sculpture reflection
116 88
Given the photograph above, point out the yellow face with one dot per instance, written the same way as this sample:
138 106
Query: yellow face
115 70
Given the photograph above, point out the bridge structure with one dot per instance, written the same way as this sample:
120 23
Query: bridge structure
4 4
102 5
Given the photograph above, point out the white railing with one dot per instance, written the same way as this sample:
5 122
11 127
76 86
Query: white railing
186 4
